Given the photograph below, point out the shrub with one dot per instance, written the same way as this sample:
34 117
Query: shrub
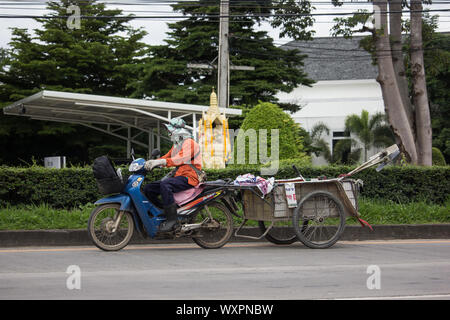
438 157
72 187
269 116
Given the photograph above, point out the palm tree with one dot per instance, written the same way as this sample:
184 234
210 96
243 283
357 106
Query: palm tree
370 131
319 145
346 151
342 151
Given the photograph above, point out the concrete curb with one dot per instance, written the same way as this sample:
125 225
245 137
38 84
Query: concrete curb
20 238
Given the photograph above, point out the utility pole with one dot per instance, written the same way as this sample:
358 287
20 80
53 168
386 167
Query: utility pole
223 65
224 57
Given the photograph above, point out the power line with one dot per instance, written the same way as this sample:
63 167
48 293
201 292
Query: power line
204 15
197 3
216 14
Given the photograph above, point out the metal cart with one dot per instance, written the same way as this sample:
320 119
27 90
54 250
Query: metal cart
313 211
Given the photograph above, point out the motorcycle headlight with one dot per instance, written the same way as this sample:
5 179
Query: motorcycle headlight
135 167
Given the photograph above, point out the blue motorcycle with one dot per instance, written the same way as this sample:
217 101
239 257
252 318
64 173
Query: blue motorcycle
204 213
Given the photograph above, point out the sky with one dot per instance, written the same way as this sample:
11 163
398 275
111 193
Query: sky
157 29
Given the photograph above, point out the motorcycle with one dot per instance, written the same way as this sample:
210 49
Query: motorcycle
204 214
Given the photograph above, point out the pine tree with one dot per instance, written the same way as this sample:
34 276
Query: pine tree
165 75
93 59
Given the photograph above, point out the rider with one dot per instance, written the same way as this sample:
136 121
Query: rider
184 151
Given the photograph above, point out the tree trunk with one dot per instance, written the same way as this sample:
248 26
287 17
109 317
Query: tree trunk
395 31
420 96
393 102
366 147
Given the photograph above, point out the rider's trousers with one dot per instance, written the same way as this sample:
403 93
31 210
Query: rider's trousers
166 189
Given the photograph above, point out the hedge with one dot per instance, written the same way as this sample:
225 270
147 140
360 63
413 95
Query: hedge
72 187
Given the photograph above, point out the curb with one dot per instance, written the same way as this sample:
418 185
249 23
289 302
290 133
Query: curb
20 238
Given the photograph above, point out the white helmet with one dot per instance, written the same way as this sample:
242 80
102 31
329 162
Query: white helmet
177 131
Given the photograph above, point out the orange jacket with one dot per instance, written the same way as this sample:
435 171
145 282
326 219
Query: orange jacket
180 157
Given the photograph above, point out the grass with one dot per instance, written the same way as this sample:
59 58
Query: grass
35 217
389 212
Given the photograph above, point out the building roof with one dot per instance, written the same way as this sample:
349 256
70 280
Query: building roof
77 107
335 58
109 114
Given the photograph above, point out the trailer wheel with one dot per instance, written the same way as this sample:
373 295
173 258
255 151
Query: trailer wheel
281 234
319 220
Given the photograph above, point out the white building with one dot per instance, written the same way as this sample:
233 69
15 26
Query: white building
345 84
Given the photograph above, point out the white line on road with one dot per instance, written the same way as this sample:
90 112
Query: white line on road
230 245
428 296
276 269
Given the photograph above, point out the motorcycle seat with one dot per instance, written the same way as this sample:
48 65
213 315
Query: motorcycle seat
185 196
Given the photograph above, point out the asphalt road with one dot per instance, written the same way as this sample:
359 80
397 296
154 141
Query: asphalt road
402 269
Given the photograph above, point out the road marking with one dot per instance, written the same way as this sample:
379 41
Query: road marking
273 270
395 242
130 247
429 296
237 245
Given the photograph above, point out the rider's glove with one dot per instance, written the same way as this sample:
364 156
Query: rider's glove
150 164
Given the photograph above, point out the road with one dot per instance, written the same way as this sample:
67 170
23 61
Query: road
401 269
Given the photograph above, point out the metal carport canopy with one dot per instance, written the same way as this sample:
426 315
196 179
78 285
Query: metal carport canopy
111 114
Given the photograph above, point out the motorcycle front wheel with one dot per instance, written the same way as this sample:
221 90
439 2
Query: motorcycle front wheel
102 228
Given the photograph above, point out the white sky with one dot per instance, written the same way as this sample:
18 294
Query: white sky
157 29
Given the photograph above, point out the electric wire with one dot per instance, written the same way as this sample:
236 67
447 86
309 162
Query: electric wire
203 15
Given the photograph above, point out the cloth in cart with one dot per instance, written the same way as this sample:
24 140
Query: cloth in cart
264 185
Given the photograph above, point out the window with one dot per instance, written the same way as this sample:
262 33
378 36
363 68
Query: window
338 134
344 147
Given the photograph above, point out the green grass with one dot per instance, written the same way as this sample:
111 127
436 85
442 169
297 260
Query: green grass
389 212
33 217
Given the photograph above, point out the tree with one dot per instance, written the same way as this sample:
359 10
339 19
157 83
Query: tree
345 151
437 64
267 116
370 131
165 76
2 56
420 95
409 118
93 59
321 147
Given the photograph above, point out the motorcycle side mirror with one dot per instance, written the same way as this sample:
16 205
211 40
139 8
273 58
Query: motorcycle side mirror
156 153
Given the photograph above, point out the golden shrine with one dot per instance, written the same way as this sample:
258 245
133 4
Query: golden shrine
214 136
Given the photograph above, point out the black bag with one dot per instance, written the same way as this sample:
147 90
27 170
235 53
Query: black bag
107 179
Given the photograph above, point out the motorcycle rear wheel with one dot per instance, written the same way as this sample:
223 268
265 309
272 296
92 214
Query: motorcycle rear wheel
216 232
100 227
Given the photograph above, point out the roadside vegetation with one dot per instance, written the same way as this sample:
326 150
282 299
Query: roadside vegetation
376 212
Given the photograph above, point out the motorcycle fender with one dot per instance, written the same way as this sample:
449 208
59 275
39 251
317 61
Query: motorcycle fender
125 205
123 199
